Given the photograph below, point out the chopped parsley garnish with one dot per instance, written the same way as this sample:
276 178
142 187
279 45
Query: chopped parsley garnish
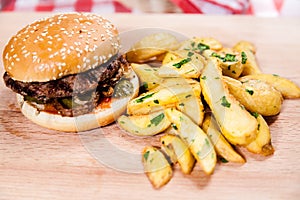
149 70
202 47
225 103
227 57
251 92
156 120
181 104
174 126
229 66
146 155
141 99
187 96
258 127
145 85
156 101
203 77
223 160
254 114
193 44
190 71
190 54
244 57
182 62
275 75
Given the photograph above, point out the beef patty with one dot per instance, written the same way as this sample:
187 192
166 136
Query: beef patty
76 94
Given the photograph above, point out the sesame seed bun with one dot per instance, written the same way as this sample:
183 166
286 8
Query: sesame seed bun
57 46
99 117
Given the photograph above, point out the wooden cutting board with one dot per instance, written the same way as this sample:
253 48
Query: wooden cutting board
36 163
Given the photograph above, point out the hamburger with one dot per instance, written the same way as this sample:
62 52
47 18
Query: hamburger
68 73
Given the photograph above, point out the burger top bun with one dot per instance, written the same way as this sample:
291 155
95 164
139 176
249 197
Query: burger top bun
60 45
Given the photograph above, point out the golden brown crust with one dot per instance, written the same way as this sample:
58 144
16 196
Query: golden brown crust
98 118
60 45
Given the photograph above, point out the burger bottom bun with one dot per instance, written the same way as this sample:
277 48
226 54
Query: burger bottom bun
97 118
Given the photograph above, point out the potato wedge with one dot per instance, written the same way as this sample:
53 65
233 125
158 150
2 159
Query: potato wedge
228 61
256 96
250 64
152 46
262 143
198 142
288 89
193 108
156 167
244 45
178 152
144 125
200 44
147 75
161 97
179 68
236 124
223 148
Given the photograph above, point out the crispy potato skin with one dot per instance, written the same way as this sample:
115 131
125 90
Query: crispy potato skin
262 143
156 167
223 148
236 124
288 89
198 142
257 96
178 152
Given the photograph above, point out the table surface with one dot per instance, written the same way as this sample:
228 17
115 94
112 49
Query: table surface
36 163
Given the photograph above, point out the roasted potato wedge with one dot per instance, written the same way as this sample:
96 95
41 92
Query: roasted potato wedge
144 125
288 89
147 76
227 60
181 63
162 97
222 147
262 143
236 124
248 51
179 152
200 44
156 167
193 108
256 96
198 142
152 46
244 45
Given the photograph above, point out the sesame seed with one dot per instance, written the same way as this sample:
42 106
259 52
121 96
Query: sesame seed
6 56
27 54
95 39
49 49
78 66
12 63
9 68
50 42
65 44
17 59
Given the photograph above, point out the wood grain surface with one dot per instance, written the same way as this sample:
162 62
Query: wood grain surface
37 163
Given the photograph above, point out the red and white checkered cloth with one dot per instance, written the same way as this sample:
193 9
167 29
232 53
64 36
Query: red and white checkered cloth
253 7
